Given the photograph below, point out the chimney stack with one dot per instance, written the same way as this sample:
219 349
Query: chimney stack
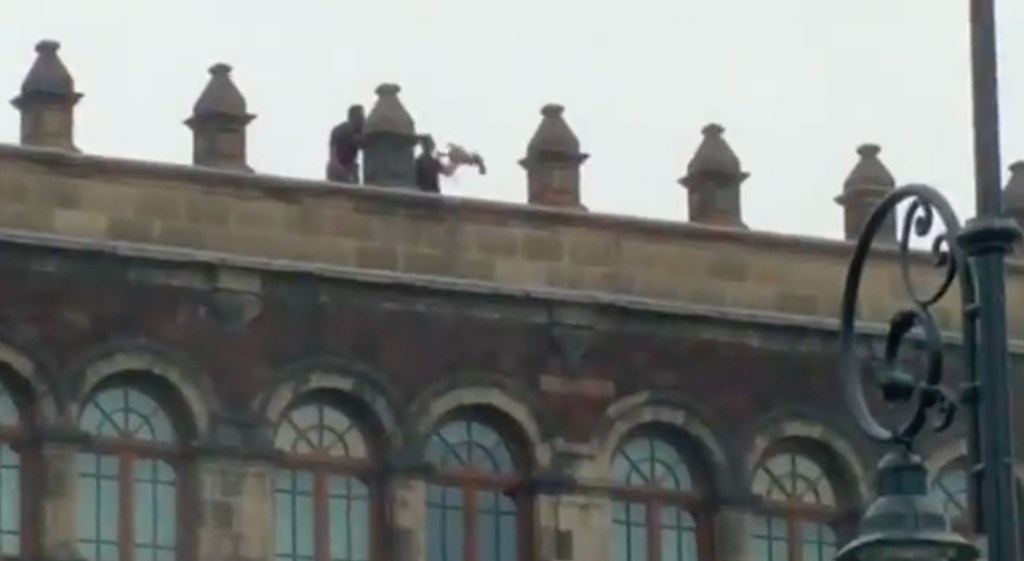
868 183
389 141
47 101
713 179
218 122
553 161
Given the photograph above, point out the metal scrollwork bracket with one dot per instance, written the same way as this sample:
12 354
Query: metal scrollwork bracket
917 392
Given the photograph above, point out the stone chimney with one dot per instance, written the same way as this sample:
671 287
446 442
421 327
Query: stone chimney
47 101
218 122
713 179
868 183
389 141
553 160
1013 193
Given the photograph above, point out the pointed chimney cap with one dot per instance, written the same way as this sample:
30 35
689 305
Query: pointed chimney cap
388 115
1013 194
869 170
714 155
221 97
553 136
48 76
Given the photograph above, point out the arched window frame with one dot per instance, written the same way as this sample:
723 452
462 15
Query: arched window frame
655 498
474 483
950 487
322 466
14 424
795 514
127 452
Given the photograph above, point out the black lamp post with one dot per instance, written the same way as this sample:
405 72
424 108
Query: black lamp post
904 523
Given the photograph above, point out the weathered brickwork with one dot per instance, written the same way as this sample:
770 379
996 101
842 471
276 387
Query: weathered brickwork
292 346
275 218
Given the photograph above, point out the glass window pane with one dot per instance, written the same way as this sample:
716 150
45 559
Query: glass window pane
629 531
319 427
769 539
678 535
819 542
125 412
155 515
9 415
98 506
10 501
293 503
496 527
468 444
651 461
793 478
445 524
348 519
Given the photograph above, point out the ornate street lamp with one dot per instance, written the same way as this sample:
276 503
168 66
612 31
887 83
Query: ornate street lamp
903 523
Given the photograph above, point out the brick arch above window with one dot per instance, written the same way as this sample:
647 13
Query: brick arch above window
824 445
27 385
318 427
336 380
511 416
641 413
466 441
127 413
10 413
792 477
650 459
189 396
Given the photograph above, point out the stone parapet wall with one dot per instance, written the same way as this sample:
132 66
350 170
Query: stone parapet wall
190 207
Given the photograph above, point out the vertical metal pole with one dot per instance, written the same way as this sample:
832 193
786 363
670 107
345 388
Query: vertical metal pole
988 249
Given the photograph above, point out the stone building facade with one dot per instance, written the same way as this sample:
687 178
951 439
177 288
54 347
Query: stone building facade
204 362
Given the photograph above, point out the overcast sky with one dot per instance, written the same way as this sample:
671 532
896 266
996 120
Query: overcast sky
796 83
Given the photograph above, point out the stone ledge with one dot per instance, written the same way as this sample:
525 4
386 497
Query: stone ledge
425 236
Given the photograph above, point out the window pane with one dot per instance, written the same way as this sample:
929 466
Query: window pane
318 427
293 504
629 531
98 496
10 501
468 444
128 413
793 478
769 539
496 527
155 510
445 524
678 535
819 542
652 462
348 519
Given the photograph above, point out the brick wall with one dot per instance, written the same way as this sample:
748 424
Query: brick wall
96 198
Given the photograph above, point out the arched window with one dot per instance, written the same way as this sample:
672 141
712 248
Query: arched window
10 476
321 499
127 479
800 509
950 488
473 512
653 510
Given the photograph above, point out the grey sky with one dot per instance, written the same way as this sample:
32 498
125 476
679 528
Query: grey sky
797 84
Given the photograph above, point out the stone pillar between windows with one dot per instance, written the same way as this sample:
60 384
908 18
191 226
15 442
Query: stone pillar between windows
408 517
572 527
236 509
57 487
732 542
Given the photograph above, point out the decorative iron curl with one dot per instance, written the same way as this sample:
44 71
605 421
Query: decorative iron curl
923 397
